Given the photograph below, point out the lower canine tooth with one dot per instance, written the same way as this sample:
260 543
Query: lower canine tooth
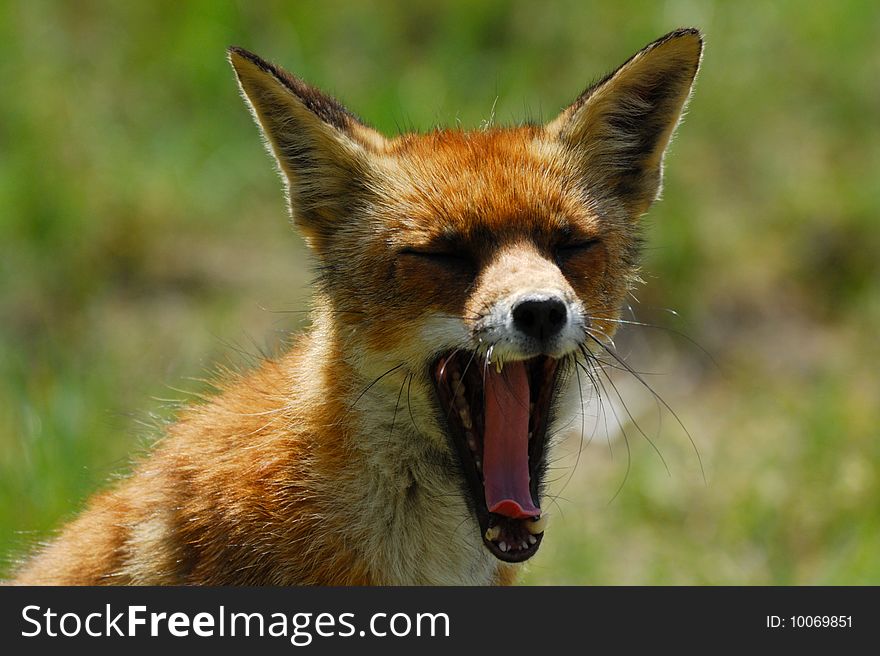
492 532
537 526
532 539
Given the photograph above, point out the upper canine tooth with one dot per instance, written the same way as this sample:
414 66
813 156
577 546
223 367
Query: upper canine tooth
492 532
537 525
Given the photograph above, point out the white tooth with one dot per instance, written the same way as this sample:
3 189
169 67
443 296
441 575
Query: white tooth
479 464
471 441
503 546
523 545
530 434
492 532
537 526
532 539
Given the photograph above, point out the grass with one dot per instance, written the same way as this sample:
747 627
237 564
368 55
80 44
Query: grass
131 177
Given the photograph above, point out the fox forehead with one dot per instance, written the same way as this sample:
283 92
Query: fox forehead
482 188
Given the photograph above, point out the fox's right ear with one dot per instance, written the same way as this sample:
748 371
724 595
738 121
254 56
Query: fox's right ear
322 150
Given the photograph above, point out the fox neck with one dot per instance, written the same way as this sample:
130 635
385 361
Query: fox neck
398 483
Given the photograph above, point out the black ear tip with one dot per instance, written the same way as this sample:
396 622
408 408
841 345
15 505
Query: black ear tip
691 33
235 52
237 56
687 40
683 32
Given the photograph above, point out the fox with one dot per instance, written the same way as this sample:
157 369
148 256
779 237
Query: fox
404 437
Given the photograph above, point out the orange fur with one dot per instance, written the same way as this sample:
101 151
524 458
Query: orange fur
331 464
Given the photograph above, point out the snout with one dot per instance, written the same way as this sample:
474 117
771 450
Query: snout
526 307
528 324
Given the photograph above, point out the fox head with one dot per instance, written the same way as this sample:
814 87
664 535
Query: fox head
480 264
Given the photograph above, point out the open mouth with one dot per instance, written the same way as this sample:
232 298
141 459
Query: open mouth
497 418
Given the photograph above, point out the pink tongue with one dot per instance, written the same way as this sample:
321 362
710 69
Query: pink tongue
506 442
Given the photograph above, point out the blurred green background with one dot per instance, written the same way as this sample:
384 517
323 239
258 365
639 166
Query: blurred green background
143 239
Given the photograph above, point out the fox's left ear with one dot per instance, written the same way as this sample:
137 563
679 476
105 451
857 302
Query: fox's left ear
617 130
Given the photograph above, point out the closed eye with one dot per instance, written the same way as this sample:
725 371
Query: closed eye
572 248
446 257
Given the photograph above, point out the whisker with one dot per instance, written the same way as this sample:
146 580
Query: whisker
467 366
636 423
367 388
397 405
409 406
601 410
583 429
626 443
674 331
661 400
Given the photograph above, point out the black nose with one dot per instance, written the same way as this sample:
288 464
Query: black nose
542 319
